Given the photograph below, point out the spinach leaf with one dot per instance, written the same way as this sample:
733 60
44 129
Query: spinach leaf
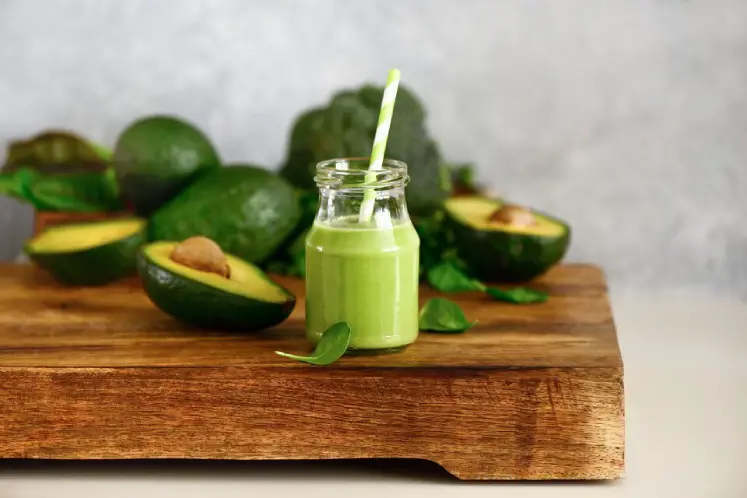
464 174
330 348
77 192
463 179
19 184
10 185
441 315
430 255
434 240
517 295
446 277
74 192
61 171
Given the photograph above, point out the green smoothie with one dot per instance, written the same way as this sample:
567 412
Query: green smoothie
365 276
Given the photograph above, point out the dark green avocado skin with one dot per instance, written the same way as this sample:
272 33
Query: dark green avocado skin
246 210
157 156
496 256
203 306
96 266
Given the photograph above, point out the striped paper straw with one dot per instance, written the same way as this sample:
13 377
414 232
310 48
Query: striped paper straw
379 146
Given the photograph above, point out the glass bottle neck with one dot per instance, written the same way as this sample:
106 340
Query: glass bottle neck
341 208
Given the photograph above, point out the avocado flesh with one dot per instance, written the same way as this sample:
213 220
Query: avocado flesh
247 300
500 252
93 253
82 236
246 280
475 212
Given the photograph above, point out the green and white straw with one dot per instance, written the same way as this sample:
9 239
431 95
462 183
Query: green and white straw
379 146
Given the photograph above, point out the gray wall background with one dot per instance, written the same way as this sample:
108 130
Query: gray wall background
627 118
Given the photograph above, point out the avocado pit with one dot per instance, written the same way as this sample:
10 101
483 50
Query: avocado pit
513 215
201 253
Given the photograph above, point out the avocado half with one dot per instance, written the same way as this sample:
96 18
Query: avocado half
247 301
91 253
500 252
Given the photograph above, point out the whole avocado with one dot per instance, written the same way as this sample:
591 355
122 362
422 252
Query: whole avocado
246 209
156 157
346 128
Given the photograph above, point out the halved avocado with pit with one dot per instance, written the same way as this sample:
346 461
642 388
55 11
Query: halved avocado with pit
238 297
90 253
503 242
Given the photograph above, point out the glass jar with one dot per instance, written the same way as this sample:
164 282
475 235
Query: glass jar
363 271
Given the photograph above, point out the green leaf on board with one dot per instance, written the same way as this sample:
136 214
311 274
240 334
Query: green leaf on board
517 295
441 315
330 348
447 277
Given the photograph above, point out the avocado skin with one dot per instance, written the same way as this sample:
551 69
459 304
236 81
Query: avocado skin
157 156
95 266
497 256
146 192
204 306
245 209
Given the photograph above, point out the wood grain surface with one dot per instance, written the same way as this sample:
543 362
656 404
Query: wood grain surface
531 392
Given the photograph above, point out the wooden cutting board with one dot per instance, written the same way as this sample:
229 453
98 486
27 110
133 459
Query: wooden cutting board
531 392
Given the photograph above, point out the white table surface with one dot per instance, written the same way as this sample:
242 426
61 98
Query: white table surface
686 428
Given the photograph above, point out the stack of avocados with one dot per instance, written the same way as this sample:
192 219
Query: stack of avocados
203 234
170 175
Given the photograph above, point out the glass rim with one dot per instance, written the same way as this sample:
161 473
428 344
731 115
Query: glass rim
329 174
390 164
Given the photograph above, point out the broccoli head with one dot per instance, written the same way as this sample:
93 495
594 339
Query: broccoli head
346 128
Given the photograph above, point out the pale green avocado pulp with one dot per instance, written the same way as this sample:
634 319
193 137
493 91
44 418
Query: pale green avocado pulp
82 236
246 279
475 212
